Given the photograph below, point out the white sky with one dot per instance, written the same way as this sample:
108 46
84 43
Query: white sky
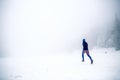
36 26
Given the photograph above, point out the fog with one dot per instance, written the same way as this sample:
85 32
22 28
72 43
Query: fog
35 27
42 39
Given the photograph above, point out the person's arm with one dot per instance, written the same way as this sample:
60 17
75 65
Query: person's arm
86 44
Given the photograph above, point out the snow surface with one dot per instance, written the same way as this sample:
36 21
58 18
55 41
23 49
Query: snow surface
64 66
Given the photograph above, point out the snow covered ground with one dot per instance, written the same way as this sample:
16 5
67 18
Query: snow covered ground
63 66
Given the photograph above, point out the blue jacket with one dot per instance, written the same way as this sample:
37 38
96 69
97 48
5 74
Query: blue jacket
85 45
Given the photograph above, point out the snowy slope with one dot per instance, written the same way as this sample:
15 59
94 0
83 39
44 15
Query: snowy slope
64 66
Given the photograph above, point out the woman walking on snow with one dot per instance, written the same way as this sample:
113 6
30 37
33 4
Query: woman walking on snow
85 50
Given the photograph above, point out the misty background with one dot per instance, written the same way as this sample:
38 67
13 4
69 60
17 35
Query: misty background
32 28
36 27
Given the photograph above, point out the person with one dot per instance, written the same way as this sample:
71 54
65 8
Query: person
86 50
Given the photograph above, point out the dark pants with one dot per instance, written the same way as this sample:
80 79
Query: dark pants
87 52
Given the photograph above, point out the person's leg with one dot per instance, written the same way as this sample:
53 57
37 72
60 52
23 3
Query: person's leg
83 56
89 56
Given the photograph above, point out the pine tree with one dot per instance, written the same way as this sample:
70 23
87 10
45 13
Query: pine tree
116 34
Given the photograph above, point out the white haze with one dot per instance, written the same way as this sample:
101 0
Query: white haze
36 27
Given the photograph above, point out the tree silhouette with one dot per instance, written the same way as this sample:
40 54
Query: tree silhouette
116 33
113 39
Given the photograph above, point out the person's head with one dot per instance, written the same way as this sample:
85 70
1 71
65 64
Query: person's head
83 40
